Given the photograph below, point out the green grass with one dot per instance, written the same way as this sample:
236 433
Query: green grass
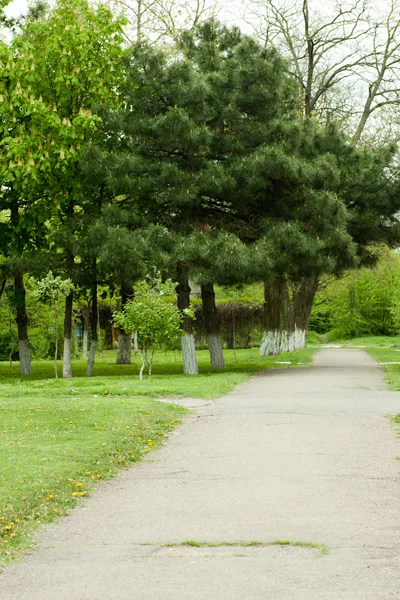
384 355
246 544
167 380
59 437
54 450
381 341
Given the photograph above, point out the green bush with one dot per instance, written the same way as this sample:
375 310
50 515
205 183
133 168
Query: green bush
364 302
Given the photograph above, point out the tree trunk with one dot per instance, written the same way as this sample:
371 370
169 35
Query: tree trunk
190 366
67 365
212 326
273 298
57 340
2 287
85 342
22 325
135 343
303 301
124 348
288 335
93 331
144 363
86 330
124 355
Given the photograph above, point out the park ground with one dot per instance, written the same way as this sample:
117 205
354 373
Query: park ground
60 437
56 438
286 487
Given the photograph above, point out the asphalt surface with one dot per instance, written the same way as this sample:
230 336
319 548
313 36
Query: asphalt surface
304 455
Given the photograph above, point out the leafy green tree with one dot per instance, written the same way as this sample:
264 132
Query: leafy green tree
55 72
157 321
363 301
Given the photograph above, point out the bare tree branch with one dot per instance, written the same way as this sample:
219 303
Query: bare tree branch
162 20
351 46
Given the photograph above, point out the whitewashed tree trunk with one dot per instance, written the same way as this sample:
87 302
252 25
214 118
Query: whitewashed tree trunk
284 341
190 366
56 345
144 363
135 343
215 348
92 355
151 363
291 341
300 339
24 357
271 343
85 343
124 348
75 341
212 326
273 301
94 319
124 354
22 325
67 364
302 307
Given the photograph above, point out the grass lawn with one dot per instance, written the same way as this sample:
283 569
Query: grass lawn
58 438
377 341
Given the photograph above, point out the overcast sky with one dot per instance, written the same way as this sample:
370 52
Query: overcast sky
16 8
233 7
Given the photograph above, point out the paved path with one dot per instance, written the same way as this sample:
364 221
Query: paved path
302 455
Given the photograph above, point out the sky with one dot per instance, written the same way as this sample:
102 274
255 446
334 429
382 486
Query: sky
16 8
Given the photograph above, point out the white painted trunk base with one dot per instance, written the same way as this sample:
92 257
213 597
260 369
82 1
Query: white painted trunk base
67 366
287 341
299 339
124 349
271 343
24 358
89 370
85 343
215 348
190 366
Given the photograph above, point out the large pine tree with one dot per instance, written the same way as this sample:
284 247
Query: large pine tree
190 122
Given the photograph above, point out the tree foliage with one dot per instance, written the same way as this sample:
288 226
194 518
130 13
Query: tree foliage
156 320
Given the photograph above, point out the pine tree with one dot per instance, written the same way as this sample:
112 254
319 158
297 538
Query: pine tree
191 122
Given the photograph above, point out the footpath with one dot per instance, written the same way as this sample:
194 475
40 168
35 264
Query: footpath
304 455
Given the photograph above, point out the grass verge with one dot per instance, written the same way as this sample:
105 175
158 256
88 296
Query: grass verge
386 350
54 451
58 438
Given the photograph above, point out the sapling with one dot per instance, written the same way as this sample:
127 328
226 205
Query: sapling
156 320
